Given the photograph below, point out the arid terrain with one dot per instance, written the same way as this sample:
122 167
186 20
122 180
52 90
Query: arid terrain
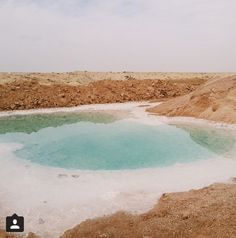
32 94
44 90
207 212
85 77
214 100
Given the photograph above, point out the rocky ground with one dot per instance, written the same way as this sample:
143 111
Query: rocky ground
28 94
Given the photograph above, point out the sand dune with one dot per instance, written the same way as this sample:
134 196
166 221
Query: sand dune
215 100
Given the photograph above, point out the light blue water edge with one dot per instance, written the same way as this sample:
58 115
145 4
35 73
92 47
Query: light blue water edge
100 141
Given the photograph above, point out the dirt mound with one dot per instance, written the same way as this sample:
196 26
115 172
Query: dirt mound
208 212
215 100
28 94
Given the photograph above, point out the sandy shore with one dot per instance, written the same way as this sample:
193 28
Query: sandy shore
207 212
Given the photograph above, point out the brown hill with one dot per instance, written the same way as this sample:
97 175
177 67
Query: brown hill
215 100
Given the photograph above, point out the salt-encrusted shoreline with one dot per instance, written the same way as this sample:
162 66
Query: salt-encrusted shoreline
137 108
133 191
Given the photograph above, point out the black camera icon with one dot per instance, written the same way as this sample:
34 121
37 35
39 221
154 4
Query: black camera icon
14 223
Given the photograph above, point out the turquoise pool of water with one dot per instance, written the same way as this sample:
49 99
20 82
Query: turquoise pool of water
97 141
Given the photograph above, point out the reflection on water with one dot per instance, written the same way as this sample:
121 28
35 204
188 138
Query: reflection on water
219 141
33 123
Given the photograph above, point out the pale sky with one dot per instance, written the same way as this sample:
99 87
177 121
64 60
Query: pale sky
118 35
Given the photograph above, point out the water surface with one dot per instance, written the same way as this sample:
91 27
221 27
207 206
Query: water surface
99 141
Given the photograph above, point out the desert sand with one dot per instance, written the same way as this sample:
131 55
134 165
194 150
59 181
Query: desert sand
85 77
215 100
